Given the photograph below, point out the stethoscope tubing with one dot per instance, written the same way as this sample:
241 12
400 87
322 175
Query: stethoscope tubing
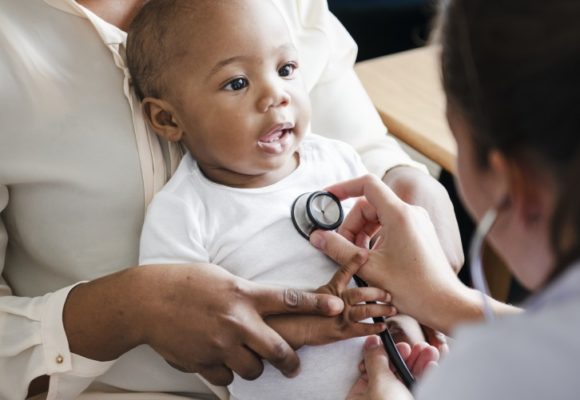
390 347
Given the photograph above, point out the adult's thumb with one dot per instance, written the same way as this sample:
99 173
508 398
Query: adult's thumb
376 359
337 247
382 383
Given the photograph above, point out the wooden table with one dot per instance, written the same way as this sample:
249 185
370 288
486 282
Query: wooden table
406 90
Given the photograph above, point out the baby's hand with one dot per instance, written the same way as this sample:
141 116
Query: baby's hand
350 323
300 330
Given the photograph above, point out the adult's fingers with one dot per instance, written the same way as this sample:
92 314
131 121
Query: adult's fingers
377 193
269 345
382 383
421 357
359 389
339 249
436 339
343 276
361 223
404 349
271 300
427 357
376 364
217 375
245 363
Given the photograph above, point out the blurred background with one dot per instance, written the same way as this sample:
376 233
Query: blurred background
383 27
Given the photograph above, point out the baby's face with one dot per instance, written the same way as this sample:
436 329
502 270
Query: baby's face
239 96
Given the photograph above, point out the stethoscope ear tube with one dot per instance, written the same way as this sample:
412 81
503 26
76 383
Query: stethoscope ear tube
390 347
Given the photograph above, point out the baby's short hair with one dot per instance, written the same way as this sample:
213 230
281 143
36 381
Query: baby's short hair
154 43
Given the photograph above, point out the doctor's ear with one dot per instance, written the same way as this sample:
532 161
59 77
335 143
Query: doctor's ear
160 115
521 187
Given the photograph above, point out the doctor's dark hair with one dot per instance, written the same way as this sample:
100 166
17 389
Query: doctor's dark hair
512 69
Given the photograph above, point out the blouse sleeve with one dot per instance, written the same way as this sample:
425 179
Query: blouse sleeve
33 341
341 108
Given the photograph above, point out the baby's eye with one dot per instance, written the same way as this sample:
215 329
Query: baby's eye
236 84
287 70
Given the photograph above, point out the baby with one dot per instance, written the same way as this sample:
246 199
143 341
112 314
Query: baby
222 77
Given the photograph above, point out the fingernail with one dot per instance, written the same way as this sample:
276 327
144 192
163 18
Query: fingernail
317 240
372 342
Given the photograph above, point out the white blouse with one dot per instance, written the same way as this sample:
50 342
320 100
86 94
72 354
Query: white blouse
78 166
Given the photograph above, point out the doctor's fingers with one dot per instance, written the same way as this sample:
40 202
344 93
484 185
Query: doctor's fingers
382 383
421 357
270 300
379 195
361 223
436 339
346 254
404 350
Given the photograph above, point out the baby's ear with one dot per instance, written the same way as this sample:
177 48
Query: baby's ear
159 114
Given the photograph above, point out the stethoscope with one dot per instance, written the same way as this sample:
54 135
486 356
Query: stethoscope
322 210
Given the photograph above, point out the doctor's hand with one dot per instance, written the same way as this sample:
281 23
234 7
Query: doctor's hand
418 188
406 259
377 380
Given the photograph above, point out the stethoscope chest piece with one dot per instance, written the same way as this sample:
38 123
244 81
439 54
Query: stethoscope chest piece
316 210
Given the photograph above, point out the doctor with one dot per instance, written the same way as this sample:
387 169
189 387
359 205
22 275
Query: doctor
510 73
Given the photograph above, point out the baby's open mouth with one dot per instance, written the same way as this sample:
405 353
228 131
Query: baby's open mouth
274 136
277 139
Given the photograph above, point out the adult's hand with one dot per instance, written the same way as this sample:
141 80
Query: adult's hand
377 380
417 188
406 260
200 318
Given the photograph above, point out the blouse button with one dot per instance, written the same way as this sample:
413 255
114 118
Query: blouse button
59 359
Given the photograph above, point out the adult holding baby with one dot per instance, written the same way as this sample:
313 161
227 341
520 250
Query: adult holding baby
78 167
512 105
